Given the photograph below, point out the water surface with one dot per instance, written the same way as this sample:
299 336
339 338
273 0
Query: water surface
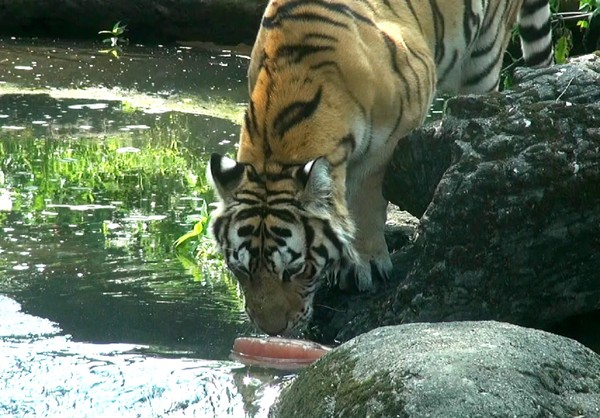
102 167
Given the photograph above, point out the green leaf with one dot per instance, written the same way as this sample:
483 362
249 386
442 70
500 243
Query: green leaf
562 49
197 231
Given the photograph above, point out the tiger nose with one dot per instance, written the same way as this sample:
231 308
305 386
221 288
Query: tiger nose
270 321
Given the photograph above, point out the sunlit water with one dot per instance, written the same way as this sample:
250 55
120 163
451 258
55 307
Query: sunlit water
99 313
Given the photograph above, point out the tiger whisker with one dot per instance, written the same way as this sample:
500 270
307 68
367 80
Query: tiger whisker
331 308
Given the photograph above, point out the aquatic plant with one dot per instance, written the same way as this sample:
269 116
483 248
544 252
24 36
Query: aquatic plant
114 39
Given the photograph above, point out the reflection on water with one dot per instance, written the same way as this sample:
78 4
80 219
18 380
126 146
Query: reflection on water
188 77
93 194
93 215
116 379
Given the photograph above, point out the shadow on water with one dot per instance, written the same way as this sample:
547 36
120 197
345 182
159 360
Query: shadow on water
94 191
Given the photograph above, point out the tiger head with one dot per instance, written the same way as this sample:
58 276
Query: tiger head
280 236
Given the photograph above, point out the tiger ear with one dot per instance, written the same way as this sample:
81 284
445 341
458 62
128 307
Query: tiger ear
225 175
315 176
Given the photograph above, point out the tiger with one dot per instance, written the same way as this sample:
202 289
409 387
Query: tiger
333 86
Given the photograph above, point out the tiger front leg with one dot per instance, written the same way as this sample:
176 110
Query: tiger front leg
368 209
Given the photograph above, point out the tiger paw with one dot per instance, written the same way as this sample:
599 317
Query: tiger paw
363 274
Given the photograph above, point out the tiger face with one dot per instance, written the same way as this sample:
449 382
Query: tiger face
278 237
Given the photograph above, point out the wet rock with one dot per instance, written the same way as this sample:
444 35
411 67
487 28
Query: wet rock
460 369
222 21
508 184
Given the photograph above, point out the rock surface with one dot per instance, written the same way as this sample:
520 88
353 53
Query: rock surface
460 369
509 188
222 21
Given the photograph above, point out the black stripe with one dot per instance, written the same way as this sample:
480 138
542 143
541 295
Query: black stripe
314 17
248 123
286 202
349 139
296 53
247 195
477 53
267 152
245 231
309 232
423 60
531 33
248 213
273 177
471 23
438 24
251 117
281 242
284 215
327 63
321 251
282 232
217 226
492 18
391 45
416 75
477 78
293 254
331 236
540 57
317 36
295 113
414 13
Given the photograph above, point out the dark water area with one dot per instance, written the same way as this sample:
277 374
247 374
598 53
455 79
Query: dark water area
102 169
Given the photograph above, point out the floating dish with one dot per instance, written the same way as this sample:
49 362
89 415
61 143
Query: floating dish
276 353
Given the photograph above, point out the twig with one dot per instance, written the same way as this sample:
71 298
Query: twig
565 90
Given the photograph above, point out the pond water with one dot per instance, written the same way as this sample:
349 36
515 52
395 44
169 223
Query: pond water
102 165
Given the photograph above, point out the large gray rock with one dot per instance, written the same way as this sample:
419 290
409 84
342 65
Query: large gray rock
460 369
513 229
508 185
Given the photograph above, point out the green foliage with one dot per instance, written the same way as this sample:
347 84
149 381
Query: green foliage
563 46
563 32
202 243
114 39
590 8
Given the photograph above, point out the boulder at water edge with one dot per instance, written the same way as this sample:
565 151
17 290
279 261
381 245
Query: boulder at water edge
507 188
458 369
